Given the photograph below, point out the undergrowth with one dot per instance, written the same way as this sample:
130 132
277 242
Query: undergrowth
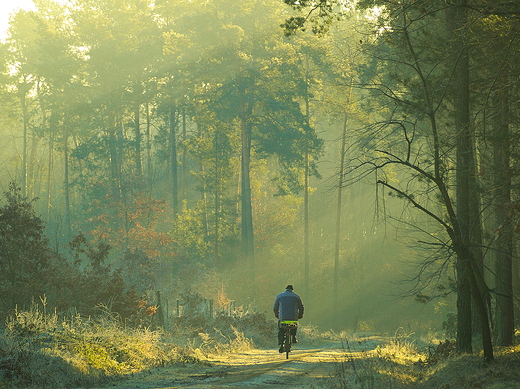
403 362
39 349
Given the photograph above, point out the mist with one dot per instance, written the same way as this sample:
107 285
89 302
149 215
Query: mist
143 125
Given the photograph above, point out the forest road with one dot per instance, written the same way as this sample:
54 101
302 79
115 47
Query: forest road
306 368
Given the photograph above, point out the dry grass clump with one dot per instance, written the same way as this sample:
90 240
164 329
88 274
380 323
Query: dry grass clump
469 371
43 350
236 331
401 350
370 362
400 364
219 343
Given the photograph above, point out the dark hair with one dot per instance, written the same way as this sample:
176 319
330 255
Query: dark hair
289 287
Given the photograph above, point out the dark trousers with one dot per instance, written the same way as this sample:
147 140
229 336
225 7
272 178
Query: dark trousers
281 331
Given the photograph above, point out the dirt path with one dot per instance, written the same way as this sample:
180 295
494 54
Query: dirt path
306 368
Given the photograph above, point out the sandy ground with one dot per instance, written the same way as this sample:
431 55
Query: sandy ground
306 368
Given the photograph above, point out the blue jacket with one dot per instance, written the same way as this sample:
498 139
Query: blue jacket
288 306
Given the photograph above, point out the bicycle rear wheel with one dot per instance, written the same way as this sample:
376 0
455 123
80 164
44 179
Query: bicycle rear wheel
287 341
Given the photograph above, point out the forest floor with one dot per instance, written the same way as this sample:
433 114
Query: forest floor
359 364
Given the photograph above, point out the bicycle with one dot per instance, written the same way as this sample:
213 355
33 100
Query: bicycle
289 327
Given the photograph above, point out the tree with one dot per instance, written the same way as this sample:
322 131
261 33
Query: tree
413 94
26 260
250 91
496 38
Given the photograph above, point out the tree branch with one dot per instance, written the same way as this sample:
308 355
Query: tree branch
418 206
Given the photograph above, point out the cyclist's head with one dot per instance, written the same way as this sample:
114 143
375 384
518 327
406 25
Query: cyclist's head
289 287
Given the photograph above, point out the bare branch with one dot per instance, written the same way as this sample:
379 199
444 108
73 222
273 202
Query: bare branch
448 228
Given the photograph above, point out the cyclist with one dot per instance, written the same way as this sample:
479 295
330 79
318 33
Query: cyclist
287 306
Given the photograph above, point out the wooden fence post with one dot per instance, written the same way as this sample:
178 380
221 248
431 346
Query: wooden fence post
160 312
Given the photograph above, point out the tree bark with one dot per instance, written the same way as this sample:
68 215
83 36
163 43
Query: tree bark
174 164
66 178
149 172
184 170
469 281
115 182
503 223
50 169
137 136
247 209
306 260
335 301
22 90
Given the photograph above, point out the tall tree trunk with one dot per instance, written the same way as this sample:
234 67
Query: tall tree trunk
66 178
115 183
306 267
335 303
468 278
516 279
22 90
245 195
50 167
217 198
456 23
149 172
503 222
50 157
137 136
306 260
174 164
184 154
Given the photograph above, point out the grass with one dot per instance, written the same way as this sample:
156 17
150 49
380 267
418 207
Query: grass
46 350
401 363
38 350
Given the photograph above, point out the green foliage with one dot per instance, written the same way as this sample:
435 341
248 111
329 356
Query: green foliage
97 285
26 261
189 236
31 270
320 15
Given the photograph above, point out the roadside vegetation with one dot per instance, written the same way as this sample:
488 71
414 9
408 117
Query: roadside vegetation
412 362
40 349
47 350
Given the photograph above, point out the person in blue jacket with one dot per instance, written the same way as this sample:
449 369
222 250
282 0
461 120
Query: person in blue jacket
287 306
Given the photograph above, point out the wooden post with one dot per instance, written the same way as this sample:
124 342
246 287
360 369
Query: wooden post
160 312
